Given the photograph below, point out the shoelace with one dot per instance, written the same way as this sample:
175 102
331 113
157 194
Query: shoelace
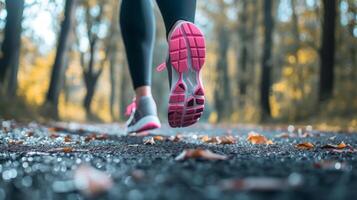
161 67
131 108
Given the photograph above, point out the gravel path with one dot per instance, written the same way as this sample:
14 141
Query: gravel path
40 162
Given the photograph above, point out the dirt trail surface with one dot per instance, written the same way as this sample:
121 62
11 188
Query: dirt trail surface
71 161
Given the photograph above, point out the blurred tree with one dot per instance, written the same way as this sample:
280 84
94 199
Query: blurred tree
89 73
59 66
327 51
243 61
11 44
267 62
217 10
113 59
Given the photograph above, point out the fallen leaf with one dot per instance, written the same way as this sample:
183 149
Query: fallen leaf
15 142
213 140
158 138
342 145
283 135
262 183
102 136
176 138
140 134
67 138
54 135
256 138
30 134
149 140
349 150
332 165
204 138
305 146
199 154
227 139
66 150
56 129
138 174
90 137
91 181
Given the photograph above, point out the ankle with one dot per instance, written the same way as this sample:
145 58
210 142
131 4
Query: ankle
142 91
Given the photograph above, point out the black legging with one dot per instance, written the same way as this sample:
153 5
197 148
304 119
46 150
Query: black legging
137 25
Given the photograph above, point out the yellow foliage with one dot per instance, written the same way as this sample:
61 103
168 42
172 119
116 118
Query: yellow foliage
275 106
213 118
297 94
279 87
288 71
307 55
291 59
70 111
235 117
34 80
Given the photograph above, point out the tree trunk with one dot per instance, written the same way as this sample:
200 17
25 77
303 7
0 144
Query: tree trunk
90 79
266 60
59 66
327 51
113 83
11 44
222 90
242 76
90 82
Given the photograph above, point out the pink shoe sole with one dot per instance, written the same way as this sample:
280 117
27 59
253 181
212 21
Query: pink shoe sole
149 126
187 51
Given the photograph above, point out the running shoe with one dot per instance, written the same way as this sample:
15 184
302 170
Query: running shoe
187 53
143 116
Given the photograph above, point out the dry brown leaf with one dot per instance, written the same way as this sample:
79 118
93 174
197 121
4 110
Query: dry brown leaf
102 136
256 138
227 139
176 138
349 150
342 145
56 129
158 138
149 141
91 181
199 154
90 137
15 142
138 174
30 134
305 146
54 135
67 149
204 138
283 135
214 140
140 134
332 165
67 138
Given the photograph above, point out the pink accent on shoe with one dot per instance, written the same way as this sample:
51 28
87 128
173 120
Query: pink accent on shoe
149 126
186 105
130 108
